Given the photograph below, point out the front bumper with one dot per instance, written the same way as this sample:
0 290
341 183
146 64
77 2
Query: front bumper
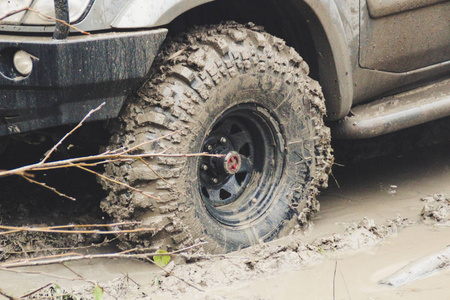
71 77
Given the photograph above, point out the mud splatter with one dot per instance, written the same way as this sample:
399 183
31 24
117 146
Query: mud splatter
436 209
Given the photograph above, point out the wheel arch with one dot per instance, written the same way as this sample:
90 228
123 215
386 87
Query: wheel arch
319 35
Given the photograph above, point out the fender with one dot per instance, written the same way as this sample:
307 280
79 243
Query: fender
340 31
332 42
136 14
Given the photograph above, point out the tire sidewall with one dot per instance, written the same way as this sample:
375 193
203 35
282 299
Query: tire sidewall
286 106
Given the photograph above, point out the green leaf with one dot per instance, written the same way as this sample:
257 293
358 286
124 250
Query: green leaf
98 293
161 260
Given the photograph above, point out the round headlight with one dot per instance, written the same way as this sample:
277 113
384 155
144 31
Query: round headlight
23 62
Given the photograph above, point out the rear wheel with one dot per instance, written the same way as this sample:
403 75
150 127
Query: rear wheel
244 97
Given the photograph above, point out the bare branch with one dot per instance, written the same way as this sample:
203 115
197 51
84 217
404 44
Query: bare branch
36 290
70 132
7 296
48 187
12 13
38 273
147 142
171 274
56 259
60 249
63 229
119 183
44 15
72 162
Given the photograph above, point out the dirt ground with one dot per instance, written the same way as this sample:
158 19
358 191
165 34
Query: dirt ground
386 213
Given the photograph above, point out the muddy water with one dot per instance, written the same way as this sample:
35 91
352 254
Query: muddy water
357 274
379 189
382 188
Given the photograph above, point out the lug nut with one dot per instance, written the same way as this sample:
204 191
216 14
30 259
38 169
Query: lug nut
204 167
215 180
223 140
254 200
209 147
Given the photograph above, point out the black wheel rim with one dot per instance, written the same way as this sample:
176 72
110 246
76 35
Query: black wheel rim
238 187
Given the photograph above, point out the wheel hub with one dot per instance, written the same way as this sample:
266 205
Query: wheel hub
232 162
237 186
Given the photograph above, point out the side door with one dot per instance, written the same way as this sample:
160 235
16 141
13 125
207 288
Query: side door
404 35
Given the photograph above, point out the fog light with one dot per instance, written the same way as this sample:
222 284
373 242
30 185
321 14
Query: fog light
23 62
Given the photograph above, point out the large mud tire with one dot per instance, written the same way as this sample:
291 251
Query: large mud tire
222 89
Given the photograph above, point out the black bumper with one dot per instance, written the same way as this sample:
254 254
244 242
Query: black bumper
71 77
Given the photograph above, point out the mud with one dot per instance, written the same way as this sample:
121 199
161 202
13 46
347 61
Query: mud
388 212
26 204
437 208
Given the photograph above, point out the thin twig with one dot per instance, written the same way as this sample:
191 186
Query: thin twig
79 275
96 225
345 283
334 281
105 242
119 183
128 278
56 259
70 132
49 230
160 177
14 12
72 162
171 274
147 142
48 187
59 20
36 290
44 15
7 296
38 273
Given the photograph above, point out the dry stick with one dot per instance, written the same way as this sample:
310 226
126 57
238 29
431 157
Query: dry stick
7 296
56 259
128 278
96 225
345 283
38 273
48 187
47 230
77 225
40 258
36 290
147 142
120 183
73 162
13 13
70 132
44 15
79 275
171 274
160 177
163 254
105 242
95 284
17 243
334 281
58 20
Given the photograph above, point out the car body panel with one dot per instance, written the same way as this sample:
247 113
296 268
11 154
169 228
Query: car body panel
366 49
71 77
407 40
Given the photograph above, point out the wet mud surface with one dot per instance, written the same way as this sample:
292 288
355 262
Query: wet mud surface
381 214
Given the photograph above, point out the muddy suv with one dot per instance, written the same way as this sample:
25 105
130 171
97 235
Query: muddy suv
198 76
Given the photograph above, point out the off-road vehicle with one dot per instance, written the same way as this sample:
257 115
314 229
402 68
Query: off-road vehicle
248 83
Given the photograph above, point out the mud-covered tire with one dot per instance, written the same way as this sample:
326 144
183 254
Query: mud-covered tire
258 86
